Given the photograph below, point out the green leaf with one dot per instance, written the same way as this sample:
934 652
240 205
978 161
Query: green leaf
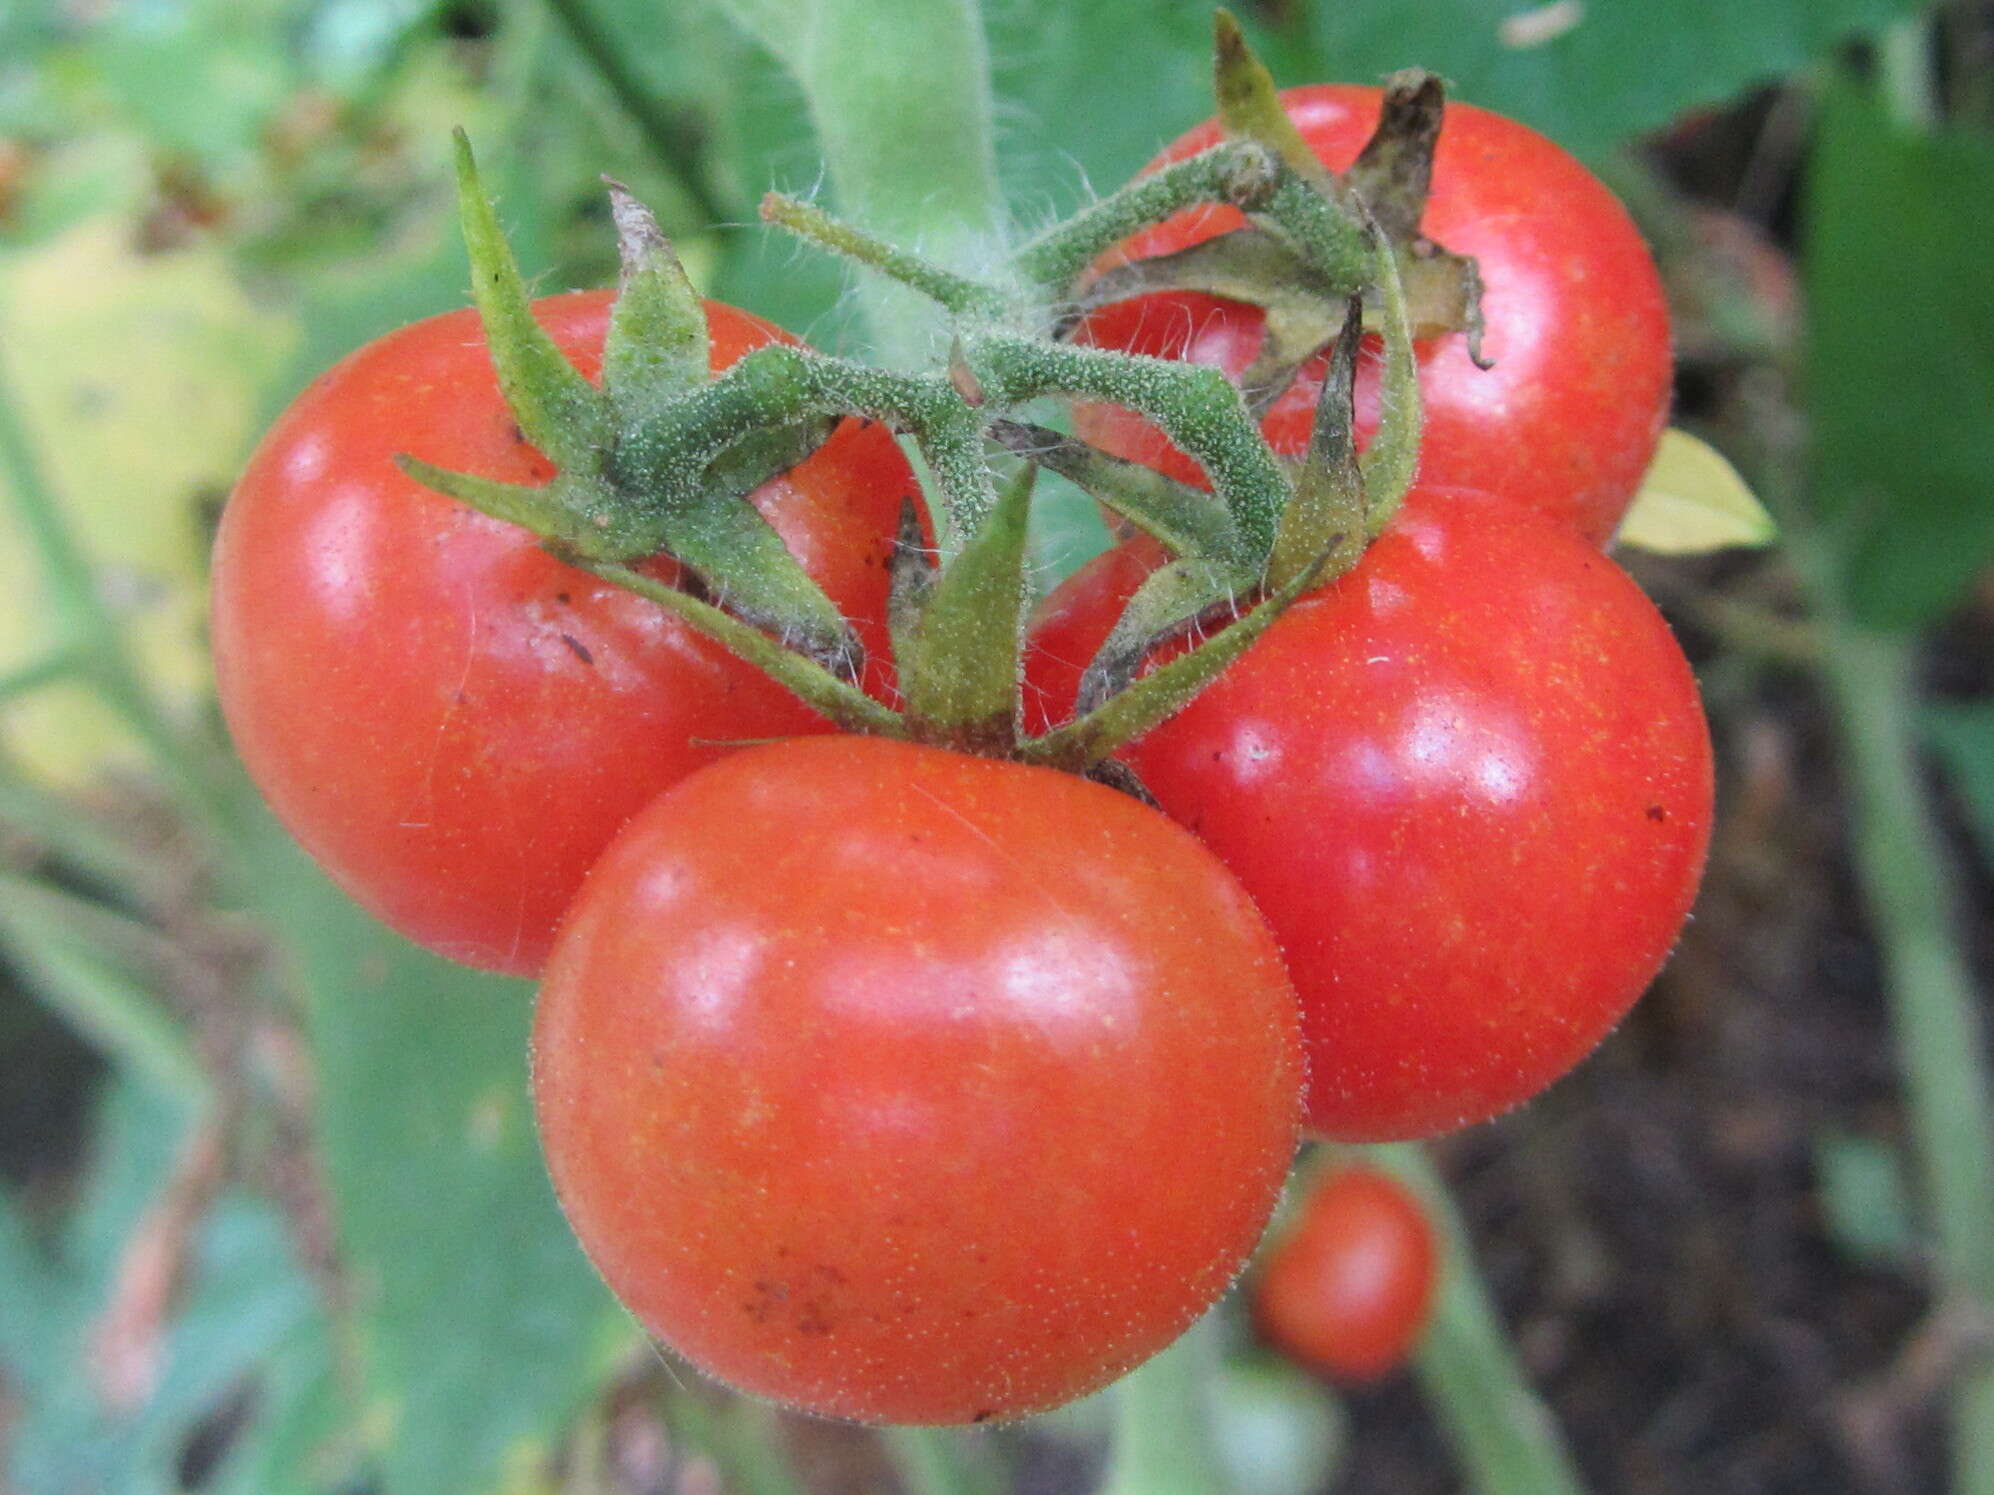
1692 501
1071 126
1900 357
105 1003
560 411
1588 73
481 1326
1863 1200
1964 736
1622 69
247 1299
198 79
29 1346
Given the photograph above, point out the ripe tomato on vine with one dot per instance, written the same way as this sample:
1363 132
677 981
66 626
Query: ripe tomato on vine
1469 784
1566 419
910 1086
450 720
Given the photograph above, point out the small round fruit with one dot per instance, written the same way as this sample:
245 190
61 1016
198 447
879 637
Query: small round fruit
1347 1288
1469 785
1577 325
905 1086
452 722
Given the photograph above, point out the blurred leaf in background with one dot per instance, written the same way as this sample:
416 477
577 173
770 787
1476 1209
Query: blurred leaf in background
140 377
481 1328
1900 356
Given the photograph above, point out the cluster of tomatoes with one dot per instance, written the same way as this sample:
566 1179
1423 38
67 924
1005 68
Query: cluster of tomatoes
907 1085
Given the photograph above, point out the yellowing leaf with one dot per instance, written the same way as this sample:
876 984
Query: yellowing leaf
137 377
1692 501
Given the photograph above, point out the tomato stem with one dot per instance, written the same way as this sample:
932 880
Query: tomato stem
1238 172
1197 407
1165 1442
1503 1434
1183 518
1935 1011
957 293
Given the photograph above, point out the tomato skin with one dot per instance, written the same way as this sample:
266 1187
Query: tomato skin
1577 325
1469 784
452 722
906 1086
1346 1290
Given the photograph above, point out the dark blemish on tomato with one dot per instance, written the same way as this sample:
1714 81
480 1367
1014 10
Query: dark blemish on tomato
581 649
562 598
767 1301
812 1321
1657 814
518 436
985 1415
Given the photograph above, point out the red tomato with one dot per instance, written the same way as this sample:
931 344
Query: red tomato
1346 1291
1469 784
1567 420
907 1086
453 723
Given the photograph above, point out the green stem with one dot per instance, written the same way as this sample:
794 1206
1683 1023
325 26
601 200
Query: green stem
1905 874
900 94
1165 1443
1501 1431
1055 259
675 146
778 385
743 1438
1904 69
89 632
1197 407
57 664
1941 1038
931 1462
956 293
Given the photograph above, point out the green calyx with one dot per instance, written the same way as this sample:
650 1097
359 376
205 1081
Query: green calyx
663 456
603 507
